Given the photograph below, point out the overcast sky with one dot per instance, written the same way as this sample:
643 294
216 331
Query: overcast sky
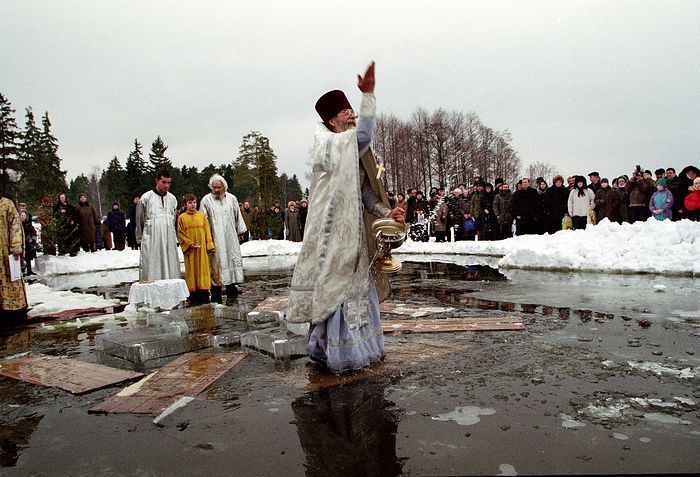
584 85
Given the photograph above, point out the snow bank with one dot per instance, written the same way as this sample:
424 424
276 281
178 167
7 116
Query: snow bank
653 246
643 247
44 300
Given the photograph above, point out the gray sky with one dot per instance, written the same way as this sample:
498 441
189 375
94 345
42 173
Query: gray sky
585 85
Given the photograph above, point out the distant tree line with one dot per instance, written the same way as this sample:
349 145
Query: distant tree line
442 149
30 169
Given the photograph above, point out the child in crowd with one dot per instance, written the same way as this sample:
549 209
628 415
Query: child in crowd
196 243
661 201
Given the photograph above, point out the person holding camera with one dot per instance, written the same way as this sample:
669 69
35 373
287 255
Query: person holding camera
640 188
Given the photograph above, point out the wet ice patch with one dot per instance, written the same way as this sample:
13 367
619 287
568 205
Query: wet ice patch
659 369
609 363
507 469
664 418
619 436
568 422
644 439
465 416
613 411
659 288
653 402
686 401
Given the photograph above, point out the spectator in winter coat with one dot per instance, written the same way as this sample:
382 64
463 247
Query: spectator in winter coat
608 203
66 220
685 184
672 184
401 201
292 223
501 209
624 195
556 199
89 221
131 228
489 222
692 201
30 244
639 189
594 179
116 223
661 201
581 201
455 212
542 218
441 214
523 207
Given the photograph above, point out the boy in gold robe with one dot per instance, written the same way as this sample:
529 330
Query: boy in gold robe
196 243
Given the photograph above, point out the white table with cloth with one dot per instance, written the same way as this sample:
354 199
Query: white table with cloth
163 294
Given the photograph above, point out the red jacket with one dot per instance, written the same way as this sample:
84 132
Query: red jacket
692 201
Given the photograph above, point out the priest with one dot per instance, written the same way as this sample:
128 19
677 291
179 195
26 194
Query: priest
335 286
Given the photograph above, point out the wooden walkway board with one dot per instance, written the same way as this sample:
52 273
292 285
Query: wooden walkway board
188 375
452 325
273 303
72 375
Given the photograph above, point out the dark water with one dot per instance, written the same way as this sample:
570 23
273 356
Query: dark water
559 398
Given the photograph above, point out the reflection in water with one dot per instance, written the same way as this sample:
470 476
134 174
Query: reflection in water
348 430
15 437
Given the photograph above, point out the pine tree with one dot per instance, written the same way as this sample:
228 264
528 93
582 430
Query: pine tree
294 188
157 159
113 183
10 164
41 171
79 185
56 180
136 176
257 161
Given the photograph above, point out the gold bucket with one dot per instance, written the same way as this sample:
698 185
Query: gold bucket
389 235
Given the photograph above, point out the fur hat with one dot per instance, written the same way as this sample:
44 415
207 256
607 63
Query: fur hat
330 104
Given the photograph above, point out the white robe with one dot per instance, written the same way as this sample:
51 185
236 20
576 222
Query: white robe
155 231
226 223
333 267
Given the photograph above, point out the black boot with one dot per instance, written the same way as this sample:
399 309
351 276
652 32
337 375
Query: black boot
216 295
231 294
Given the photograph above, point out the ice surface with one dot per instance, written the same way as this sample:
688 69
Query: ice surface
465 416
143 345
264 317
276 341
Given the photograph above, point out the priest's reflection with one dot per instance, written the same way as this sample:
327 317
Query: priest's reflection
348 429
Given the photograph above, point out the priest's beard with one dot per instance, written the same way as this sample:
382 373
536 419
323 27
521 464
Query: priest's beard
219 195
345 125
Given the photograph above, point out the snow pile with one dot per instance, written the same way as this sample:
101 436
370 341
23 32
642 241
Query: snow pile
653 246
643 247
44 300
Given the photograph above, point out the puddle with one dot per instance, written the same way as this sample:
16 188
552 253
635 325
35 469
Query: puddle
465 416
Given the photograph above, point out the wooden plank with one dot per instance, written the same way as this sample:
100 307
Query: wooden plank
188 375
453 325
72 375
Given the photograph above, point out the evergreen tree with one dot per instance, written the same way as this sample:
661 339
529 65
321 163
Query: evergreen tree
42 174
257 161
157 158
136 173
113 183
79 185
294 188
10 165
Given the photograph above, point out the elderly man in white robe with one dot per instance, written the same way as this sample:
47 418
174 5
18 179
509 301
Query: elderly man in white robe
335 286
156 232
220 207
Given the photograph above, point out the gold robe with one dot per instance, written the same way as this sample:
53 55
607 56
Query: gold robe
193 228
13 297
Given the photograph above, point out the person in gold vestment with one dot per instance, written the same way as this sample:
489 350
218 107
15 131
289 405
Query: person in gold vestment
195 240
13 297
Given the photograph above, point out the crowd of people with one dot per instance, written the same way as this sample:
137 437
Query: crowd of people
487 211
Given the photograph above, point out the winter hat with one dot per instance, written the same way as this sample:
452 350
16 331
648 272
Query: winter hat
457 191
116 202
605 179
662 182
330 104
